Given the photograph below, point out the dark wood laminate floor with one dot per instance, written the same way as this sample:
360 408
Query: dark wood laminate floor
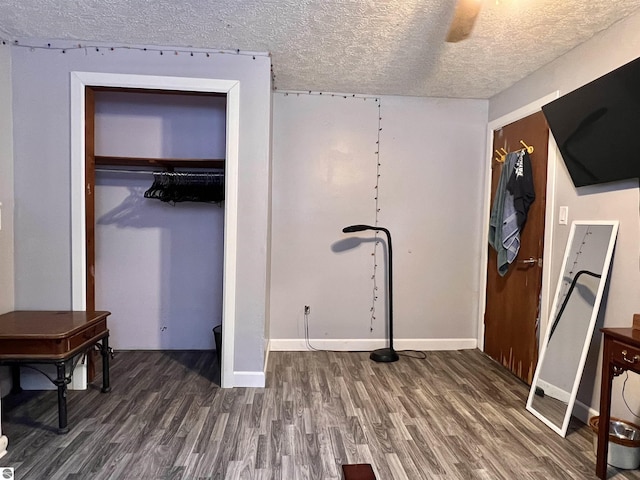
455 415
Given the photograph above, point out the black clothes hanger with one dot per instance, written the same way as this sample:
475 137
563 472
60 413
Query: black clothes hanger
176 187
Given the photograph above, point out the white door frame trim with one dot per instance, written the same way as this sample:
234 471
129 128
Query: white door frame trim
80 80
521 112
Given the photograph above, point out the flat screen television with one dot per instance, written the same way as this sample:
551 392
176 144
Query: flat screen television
597 127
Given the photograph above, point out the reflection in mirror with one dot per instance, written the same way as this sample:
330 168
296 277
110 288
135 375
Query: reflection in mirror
575 309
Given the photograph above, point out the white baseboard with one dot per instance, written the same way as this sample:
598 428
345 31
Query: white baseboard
554 392
80 374
360 345
584 412
33 380
253 379
249 379
267 349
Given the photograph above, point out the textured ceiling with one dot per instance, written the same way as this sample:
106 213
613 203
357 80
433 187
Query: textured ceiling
350 46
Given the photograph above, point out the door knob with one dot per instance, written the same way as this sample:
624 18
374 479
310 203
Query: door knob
531 261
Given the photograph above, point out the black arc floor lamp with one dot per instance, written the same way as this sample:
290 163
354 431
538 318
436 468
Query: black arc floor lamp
382 354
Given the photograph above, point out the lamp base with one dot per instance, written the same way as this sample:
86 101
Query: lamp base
385 355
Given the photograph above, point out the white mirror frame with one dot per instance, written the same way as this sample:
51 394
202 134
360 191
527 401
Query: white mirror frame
592 322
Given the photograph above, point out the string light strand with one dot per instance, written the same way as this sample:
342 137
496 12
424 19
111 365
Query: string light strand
87 48
288 93
569 278
376 198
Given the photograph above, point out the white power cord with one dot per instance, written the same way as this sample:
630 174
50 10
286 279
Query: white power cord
307 311
624 384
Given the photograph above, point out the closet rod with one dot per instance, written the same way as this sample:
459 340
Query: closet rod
151 172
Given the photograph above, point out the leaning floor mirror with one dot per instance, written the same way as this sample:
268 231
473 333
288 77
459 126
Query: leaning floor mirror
573 317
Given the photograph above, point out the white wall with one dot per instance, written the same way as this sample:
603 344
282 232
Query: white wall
617 201
158 265
324 174
42 186
6 198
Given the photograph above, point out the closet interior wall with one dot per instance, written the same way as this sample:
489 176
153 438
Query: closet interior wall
158 266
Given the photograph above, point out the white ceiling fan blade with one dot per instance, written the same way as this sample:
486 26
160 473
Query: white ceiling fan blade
463 20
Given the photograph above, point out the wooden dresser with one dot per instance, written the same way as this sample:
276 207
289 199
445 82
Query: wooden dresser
621 352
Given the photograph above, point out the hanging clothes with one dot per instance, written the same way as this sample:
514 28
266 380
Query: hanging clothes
517 193
520 189
521 186
496 220
510 230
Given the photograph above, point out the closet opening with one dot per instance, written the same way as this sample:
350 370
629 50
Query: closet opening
158 238
166 270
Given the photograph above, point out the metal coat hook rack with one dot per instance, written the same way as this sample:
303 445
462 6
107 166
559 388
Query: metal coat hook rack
528 148
501 155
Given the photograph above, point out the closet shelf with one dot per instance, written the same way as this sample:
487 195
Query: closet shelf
160 162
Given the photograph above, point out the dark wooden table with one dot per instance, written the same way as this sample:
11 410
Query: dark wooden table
53 337
621 352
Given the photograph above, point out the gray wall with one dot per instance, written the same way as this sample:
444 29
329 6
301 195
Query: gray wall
617 201
6 198
432 162
42 175
6 184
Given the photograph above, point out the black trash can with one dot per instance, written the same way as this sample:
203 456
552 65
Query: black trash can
217 336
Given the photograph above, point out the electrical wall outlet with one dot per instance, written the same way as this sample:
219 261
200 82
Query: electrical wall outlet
307 309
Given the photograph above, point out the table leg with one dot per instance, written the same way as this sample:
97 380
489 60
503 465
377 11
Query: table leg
61 383
106 386
605 411
15 379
